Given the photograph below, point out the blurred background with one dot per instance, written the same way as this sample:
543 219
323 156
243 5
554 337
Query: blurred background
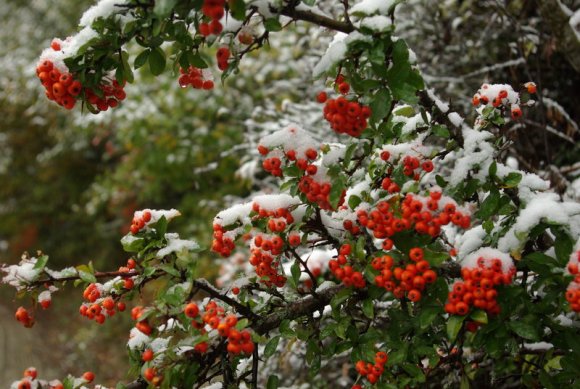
70 181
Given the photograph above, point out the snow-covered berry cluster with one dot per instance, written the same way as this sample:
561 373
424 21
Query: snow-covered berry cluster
502 96
482 272
65 89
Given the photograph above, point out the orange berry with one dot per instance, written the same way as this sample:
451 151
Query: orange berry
191 310
89 376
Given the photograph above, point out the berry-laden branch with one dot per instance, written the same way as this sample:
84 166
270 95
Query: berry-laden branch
317 19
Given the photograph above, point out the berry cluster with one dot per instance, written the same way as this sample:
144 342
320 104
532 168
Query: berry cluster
411 165
138 223
194 77
478 288
239 342
29 378
222 55
342 270
424 215
372 372
24 317
318 192
273 165
345 116
314 190
409 280
109 96
59 87
573 291
262 258
214 10
222 243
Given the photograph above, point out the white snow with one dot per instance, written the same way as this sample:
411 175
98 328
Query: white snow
455 119
442 106
544 206
44 296
488 254
20 275
174 245
238 212
273 202
377 23
137 339
291 137
575 23
369 7
337 50
157 214
469 241
103 9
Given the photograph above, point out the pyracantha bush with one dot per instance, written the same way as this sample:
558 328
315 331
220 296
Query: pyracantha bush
402 230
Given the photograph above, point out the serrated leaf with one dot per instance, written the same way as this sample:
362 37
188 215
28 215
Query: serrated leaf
157 61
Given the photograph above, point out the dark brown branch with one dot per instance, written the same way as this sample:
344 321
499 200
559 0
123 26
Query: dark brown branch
317 19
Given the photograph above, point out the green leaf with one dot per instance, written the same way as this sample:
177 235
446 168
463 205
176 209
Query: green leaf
512 180
163 8
427 317
241 324
524 330
368 308
454 324
87 277
41 262
440 131
157 61
340 297
196 60
492 171
354 201
479 316
271 346
380 105
285 329
141 59
237 9
490 205
272 25
336 191
273 382
295 270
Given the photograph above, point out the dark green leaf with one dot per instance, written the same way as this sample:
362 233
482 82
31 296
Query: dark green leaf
272 25
163 8
454 324
157 61
271 346
441 131
273 382
524 330
368 308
